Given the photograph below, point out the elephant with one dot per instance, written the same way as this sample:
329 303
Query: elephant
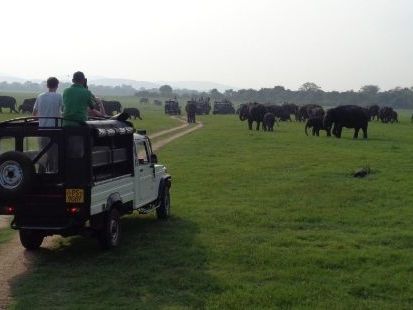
388 115
316 112
112 106
191 108
133 112
8 102
280 112
373 111
268 122
253 112
394 118
27 105
291 108
350 116
305 111
316 123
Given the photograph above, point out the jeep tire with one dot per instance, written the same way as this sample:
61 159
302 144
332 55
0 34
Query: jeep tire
164 209
31 239
109 236
16 175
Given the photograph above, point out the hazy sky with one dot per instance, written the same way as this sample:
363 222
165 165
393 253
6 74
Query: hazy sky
338 44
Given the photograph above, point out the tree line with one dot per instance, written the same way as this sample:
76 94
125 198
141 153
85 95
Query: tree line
401 98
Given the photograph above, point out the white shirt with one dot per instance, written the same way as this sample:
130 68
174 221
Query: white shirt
48 104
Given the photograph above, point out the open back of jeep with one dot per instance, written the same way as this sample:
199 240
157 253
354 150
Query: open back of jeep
48 178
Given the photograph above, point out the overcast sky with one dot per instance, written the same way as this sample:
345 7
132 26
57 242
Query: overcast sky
338 44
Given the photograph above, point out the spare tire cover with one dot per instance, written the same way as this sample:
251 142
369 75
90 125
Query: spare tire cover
16 175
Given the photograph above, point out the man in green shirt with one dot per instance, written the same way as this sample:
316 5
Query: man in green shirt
77 99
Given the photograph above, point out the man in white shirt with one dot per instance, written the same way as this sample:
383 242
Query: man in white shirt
49 104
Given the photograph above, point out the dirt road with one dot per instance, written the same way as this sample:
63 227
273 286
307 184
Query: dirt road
15 261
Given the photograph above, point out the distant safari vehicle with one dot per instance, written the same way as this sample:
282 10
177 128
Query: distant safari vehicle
144 100
78 180
223 107
172 107
203 107
157 102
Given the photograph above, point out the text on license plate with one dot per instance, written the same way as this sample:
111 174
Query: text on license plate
75 195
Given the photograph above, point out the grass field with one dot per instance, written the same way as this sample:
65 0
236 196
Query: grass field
261 220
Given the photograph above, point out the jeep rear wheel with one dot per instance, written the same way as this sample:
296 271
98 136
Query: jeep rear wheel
16 174
109 236
164 210
31 239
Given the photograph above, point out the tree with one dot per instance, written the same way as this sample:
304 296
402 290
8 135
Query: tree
165 90
370 90
310 87
215 94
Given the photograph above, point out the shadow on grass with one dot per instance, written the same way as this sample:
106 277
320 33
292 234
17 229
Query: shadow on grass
159 264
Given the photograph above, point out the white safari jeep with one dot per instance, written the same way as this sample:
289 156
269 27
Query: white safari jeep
78 180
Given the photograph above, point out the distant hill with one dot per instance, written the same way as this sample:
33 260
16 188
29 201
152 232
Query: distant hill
199 85
104 81
117 82
193 85
11 79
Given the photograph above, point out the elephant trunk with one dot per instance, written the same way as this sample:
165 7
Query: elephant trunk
306 126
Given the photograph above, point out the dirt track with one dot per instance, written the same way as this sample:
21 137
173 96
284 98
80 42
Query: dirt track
15 260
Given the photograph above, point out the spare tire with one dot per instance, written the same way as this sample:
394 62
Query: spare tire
16 175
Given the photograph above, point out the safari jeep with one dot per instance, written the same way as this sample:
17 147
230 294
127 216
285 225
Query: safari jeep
78 180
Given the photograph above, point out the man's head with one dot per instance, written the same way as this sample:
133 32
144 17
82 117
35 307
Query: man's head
52 83
78 78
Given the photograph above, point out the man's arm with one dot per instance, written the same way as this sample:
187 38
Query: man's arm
95 112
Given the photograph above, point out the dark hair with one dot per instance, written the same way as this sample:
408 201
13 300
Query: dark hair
52 82
78 77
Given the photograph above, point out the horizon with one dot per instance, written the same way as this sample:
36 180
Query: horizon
339 45
160 83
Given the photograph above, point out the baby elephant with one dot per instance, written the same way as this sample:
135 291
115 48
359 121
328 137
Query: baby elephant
133 112
316 123
268 122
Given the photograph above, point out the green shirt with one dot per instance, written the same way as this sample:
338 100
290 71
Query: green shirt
76 100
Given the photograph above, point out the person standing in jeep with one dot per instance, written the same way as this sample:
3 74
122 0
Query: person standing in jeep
49 104
77 99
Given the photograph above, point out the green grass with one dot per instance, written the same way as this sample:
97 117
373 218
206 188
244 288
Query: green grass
261 220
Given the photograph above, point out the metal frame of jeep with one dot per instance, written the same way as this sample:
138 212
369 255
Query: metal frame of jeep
105 170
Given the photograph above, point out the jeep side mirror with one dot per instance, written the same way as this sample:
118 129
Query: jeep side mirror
154 159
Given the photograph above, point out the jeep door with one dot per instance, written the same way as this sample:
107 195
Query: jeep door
144 174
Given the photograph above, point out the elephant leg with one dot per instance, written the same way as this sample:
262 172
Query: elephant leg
258 125
313 131
250 124
317 132
356 133
339 131
364 132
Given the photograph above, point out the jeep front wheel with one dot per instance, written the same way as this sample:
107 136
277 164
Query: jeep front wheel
109 236
164 210
31 239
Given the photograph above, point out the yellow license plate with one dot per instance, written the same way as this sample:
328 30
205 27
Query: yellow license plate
75 195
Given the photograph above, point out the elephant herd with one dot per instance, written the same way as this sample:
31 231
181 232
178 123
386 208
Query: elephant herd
332 121
384 114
